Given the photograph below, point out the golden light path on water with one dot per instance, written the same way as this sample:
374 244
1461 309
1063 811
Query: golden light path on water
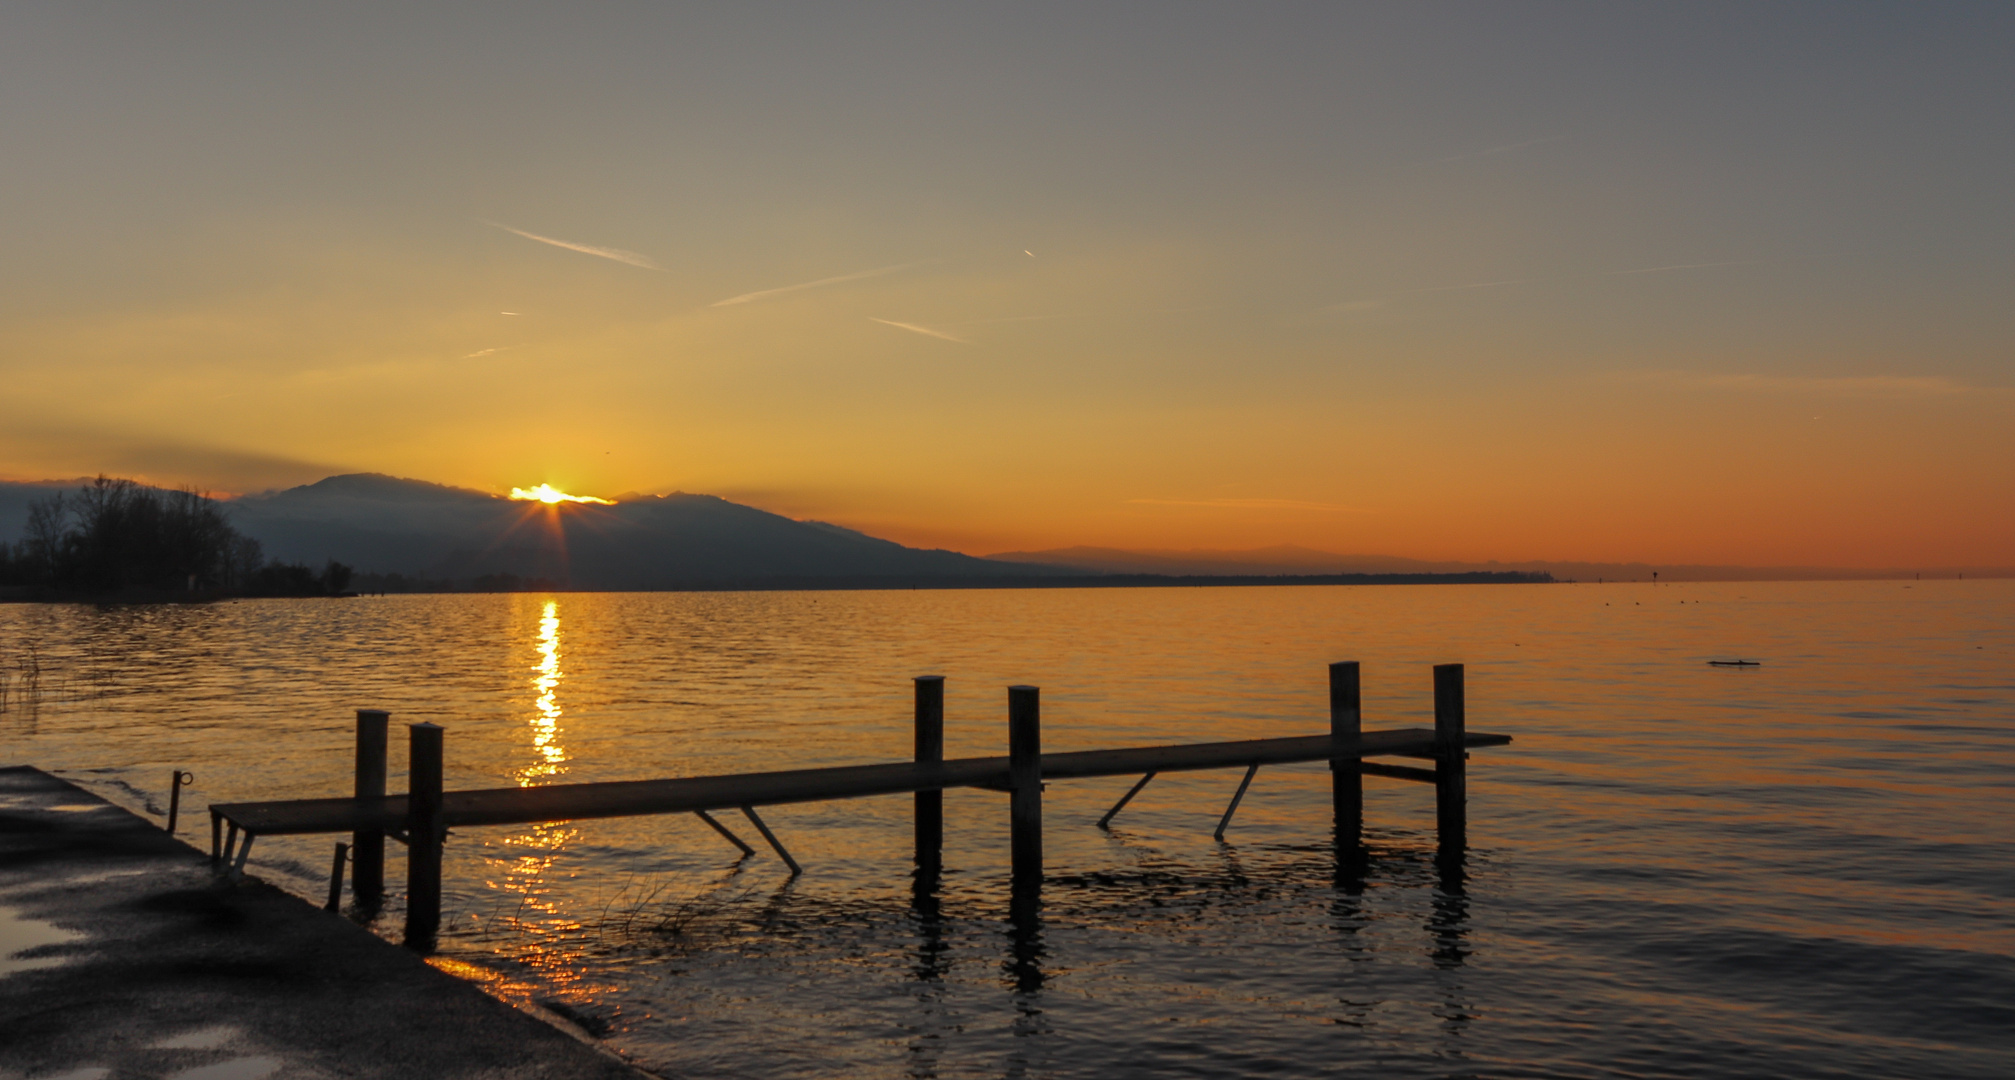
536 849
546 724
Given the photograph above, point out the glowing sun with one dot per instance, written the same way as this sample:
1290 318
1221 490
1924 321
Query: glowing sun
551 496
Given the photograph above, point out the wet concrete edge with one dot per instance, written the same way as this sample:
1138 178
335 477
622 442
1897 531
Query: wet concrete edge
164 965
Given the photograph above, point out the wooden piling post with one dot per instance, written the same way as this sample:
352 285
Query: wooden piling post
1451 788
423 837
367 846
1346 782
930 750
1025 783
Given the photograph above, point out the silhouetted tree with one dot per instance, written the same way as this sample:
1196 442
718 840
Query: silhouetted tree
114 536
336 578
14 569
284 579
295 579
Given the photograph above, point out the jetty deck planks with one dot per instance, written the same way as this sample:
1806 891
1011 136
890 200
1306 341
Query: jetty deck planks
630 798
422 817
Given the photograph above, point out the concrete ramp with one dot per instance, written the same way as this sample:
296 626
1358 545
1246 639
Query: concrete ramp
124 954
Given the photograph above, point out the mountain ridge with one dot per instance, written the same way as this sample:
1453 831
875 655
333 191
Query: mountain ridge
388 525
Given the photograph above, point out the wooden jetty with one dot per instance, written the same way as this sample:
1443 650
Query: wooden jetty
421 818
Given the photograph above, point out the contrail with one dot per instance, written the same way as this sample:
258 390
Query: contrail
915 329
764 294
618 254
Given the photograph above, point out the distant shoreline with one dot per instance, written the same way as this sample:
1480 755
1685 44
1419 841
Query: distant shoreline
1093 581
899 583
870 583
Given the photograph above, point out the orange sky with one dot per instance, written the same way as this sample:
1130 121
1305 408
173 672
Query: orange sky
1710 286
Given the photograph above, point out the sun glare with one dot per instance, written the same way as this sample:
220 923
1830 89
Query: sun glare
547 494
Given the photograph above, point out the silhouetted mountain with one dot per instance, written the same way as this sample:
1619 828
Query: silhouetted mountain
381 524
384 525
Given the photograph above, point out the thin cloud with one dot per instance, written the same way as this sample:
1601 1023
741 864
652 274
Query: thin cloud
915 329
1460 288
487 352
1686 266
764 294
629 258
1372 303
1251 504
1858 386
1732 262
1029 318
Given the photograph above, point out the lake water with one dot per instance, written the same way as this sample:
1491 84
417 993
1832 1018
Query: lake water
1805 868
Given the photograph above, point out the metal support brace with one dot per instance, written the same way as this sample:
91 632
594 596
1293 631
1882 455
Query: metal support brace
230 842
1124 799
750 813
244 852
175 785
336 878
1233 808
723 830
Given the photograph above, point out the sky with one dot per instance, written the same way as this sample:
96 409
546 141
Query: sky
1687 283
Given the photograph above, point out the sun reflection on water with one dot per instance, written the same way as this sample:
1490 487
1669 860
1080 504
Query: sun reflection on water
551 756
525 860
